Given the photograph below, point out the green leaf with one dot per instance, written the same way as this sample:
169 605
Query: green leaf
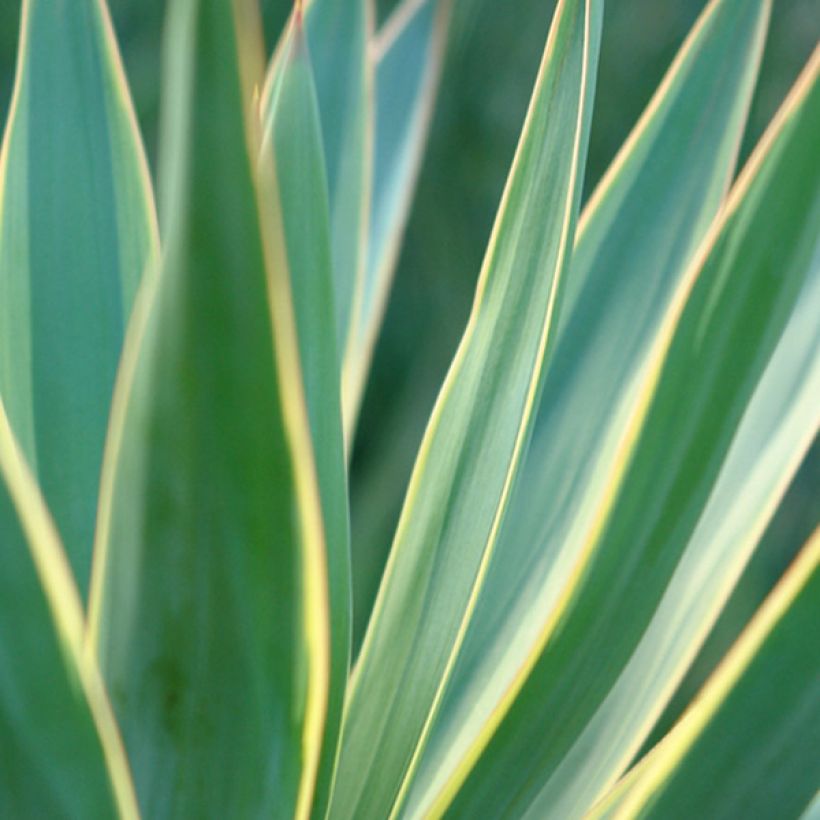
771 441
475 438
747 746
409 52
636 237
57 733
338 33
209 596
666 545
77 227
293 137
768 446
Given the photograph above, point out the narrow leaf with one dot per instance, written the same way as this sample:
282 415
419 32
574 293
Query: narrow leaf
293 138
408 54
475 438
209 599
338 33
77 227
747 746
661 531
770 443
60 753
636 238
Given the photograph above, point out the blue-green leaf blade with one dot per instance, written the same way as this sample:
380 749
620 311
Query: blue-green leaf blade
53 714
475 438
209 609
734 310
338 33
747 745
293 138
636 238
77 227
409 53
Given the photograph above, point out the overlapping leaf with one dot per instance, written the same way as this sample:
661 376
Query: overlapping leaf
293 138
720 761
338 32
636 237
408 54
768 447
470 453
209 600
667 526
60 754
77 227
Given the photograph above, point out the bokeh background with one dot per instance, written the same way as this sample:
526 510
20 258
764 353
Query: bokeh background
493 53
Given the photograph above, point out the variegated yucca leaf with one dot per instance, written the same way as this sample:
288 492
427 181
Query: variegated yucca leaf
630 608
475 438
77 228
408 53
338 35
634 391
718 761
209 600
60 750
373 147
293 139
670 179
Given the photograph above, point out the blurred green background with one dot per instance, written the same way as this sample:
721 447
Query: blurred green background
493 54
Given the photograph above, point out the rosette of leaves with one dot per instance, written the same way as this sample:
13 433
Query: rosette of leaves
635 389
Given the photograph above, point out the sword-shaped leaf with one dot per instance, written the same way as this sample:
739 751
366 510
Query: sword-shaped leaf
747 746
209 596
476 436
293 139
338 33
636 238
665 526
408 54
77 227
60 751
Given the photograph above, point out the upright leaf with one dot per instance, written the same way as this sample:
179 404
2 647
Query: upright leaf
209 599
293 138
665 527
771 441
77 227
408 55
57 735
475 438
338 33
636 238
747 746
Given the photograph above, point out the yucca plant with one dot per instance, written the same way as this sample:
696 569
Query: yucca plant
628 404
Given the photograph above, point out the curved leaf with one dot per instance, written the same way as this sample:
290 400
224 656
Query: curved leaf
765 454
468 459
408 55
57 734
77 227
636 236
338 32
747 745
209 596
293 138
709 357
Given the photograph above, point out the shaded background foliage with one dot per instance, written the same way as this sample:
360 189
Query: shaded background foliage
491 62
